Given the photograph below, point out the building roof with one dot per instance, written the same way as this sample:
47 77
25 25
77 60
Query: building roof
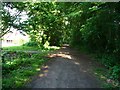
11 35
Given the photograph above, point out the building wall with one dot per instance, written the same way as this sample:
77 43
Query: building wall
14 38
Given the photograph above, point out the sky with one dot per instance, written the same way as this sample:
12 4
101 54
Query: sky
23 17
13 12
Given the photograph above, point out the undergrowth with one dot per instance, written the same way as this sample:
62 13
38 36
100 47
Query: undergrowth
110 72
16 71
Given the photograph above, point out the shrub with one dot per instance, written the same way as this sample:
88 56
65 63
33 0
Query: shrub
115 72
31 43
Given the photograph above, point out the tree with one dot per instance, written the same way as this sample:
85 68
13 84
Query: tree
8 20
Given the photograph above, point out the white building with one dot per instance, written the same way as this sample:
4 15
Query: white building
15 38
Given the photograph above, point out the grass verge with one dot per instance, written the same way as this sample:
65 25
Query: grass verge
21 48
105 72
20 66
19 71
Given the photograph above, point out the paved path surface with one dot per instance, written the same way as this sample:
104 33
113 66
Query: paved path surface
67 68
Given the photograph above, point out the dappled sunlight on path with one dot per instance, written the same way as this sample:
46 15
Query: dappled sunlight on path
60 55
65 69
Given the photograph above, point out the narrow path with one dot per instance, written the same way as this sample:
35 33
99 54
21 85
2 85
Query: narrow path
66 69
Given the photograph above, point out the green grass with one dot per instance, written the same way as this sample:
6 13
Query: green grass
18 71
26 67
30 48
22 48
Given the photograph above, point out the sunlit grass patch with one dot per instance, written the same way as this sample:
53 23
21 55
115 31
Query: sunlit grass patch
22 48
30 48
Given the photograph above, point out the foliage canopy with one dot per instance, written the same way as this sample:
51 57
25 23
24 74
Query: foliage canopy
92 25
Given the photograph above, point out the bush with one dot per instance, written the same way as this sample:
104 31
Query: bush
112 63
115 72
31 43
